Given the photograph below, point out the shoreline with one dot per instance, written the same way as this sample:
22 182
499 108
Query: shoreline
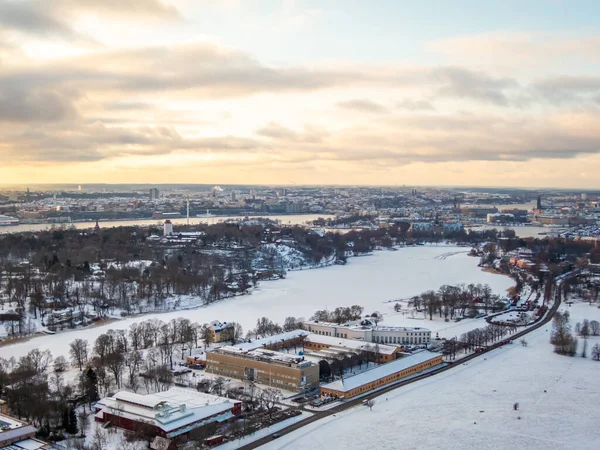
109 320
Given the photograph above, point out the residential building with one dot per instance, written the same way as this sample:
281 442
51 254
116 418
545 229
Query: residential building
170 414
382 375
281 370
168 228
365 330
154 194
328 347
219 330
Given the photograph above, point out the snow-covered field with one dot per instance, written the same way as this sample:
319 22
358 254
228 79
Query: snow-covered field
471 407
367 281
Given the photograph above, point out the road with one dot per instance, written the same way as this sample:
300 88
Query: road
318 415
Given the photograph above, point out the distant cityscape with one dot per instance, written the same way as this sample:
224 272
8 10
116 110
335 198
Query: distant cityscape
423 208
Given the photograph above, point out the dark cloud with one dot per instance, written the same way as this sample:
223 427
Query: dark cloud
81 142
19 104
363 105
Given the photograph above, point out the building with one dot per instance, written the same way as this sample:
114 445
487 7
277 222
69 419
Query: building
500 218
328 347
552 219
478 211
154 194
381 375
168 228
17 435
219 330
365 330
281 370
170 414
276 342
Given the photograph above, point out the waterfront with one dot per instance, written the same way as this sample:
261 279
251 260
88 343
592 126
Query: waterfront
290 219
369 281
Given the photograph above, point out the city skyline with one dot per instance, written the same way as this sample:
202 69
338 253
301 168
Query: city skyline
300 93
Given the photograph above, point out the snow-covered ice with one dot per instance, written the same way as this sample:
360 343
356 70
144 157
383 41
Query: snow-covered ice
367 281
471 406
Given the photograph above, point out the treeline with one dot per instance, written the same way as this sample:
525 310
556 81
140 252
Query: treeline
476 339
451 301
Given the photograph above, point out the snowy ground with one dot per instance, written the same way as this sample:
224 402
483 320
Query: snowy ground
471 407
368 281
263 432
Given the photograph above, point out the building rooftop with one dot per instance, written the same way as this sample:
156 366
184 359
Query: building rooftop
364 324
347 384
271 340
270 356
12 429
351 344
171 411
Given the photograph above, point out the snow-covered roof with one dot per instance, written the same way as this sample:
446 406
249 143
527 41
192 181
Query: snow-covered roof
384 370
219 326
271 340
352 344
270 355
171 411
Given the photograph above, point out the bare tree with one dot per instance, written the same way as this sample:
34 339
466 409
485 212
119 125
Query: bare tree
269 399
596 352
207 335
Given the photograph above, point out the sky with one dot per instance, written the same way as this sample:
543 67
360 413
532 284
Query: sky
389 92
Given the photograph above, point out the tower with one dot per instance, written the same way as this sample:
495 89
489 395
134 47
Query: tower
168 228
539 202
188 210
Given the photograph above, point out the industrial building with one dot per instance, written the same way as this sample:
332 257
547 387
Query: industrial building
381 375
172 414
366 330
281 370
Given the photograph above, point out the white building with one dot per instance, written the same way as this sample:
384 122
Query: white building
365 330
169 414
168 228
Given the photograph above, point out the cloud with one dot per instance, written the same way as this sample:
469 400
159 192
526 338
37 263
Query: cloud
127 106
32 104
130 9
54 18
415 105
27 17
462 83
276 131
568 89
363 105
518 51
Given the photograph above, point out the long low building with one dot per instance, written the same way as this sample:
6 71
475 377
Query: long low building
365 330
335 345
381 375
170 414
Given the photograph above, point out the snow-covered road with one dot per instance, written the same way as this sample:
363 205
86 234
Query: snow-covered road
471 407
